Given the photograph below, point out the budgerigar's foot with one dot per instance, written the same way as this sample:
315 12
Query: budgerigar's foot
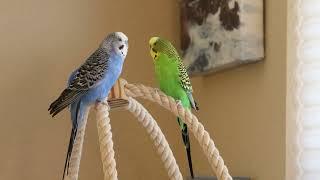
179 103
104 103
157 90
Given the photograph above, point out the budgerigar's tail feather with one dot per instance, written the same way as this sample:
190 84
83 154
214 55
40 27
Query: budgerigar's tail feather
70 147
72 139
186 141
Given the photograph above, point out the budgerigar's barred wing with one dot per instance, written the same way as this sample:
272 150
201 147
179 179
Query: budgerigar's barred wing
185 80
91 72
184 77
86 77
186 84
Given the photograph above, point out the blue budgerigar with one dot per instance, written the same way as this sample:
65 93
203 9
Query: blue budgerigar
91 83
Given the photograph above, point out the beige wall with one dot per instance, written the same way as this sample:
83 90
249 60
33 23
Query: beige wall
43 41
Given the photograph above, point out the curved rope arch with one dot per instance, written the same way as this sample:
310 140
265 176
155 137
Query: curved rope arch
203 137
154 131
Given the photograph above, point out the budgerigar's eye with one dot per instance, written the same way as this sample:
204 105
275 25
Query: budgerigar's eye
120 39
121 47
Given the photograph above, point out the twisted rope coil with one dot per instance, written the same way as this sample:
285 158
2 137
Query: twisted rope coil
163 149
74 164
203 137
158 138
106 143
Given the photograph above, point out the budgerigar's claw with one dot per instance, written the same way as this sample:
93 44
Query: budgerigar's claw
104 103
179 103
157 90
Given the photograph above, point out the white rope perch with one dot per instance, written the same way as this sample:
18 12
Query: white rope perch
158 138
106 143
191 120
74 164
118 99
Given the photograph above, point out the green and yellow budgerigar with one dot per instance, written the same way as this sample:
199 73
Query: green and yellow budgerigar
174 81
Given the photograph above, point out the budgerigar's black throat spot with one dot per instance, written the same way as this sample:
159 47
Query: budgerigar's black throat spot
153 50
121 47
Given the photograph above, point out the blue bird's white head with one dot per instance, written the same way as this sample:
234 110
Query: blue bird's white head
116 42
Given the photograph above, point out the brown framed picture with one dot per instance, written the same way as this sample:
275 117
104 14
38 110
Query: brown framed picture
220 34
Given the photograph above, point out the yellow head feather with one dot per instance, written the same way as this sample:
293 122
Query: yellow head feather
154 53
159 46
